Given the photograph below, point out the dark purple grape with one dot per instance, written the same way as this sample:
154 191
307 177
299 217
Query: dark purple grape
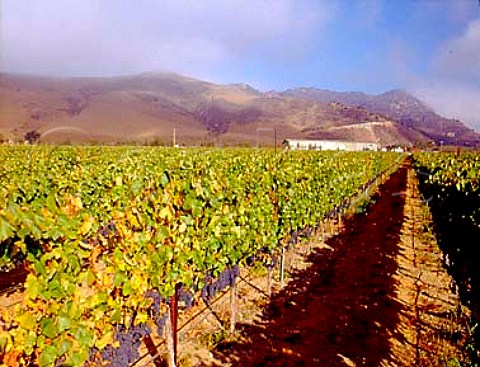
160 323
127 352
204 294
185 296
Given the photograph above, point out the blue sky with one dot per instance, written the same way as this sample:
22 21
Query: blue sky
431 48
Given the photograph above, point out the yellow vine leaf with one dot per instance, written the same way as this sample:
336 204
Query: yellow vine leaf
86 225
166 213
105 340
27 321
182 228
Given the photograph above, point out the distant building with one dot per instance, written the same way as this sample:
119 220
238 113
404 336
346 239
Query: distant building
394 148
304 144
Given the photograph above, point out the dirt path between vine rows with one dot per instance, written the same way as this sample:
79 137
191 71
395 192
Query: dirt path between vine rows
375 294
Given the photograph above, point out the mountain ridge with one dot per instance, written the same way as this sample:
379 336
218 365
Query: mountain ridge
400 106
147 107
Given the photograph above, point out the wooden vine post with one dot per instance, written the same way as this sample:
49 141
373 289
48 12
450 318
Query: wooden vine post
269 280
169 339
282 265
175 322
171 329
152 350
233 306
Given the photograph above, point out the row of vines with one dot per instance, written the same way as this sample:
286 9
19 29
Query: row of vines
108 235
450 183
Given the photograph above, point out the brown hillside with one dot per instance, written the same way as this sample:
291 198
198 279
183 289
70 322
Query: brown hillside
398 106
148 107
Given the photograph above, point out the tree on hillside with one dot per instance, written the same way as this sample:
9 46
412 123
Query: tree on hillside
32 137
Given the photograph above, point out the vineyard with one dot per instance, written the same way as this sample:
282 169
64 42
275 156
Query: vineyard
112 239
450 183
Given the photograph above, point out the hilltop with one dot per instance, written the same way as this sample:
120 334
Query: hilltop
148 107
399 106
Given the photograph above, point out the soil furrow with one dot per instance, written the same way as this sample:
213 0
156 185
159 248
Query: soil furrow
375 294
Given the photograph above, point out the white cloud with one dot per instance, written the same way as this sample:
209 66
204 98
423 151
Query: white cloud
459 57
452 87
118 37
453 100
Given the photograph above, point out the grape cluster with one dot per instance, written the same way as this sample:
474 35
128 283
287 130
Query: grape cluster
273 262
226 279
18 259
157 299
160 323
157 314
127 352
269 261
108 231
60 362
307 232
93 355
186 297
293 240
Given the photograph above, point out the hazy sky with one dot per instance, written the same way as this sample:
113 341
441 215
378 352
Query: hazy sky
430 48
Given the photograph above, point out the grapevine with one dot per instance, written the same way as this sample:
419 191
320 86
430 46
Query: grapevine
107 234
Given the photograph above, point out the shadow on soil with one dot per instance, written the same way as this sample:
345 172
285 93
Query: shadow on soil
341 310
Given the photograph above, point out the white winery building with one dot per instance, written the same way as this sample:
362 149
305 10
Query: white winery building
305 144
